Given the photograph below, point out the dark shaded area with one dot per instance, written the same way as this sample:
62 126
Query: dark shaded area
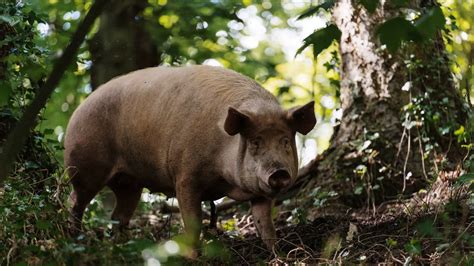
5 30
19 134
441 238
35 161
299 243
122 43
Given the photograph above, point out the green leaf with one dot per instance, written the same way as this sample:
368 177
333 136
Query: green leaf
75 248
48 131
43 224
391 242
5 92
139 244
321 39
414 247
431 22
459 131
442 247
370 5
31 165
465 179
215 249
396 30
314 9
426 228
6 19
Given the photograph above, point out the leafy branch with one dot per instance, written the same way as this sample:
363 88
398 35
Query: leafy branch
17 137
391 33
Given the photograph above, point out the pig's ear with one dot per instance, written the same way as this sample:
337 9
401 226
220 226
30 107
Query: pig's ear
302 118
235 121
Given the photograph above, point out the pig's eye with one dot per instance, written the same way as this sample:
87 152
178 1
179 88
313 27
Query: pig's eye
256 143
285 141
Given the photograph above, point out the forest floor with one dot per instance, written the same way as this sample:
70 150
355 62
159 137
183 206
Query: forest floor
34 232
441 234
362 237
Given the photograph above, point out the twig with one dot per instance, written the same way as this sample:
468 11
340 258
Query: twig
401 141
238 254
391 254
14 246
169 222
248 223
295 250
406 162
299 238
469 70
58 191
309 167
457 238
422 154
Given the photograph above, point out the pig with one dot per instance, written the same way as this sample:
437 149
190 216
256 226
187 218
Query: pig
197 133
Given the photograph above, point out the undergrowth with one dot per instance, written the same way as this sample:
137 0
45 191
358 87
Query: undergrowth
34 213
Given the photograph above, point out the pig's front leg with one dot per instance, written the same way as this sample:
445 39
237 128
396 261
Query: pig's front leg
262 218
189 201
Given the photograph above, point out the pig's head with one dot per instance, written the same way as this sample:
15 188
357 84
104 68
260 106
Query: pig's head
267 161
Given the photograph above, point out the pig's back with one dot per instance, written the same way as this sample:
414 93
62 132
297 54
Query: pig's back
201 86
175 100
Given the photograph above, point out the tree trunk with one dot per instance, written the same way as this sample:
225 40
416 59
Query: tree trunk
122 43
380 150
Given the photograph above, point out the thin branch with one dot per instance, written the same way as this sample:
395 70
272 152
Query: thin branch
18 136
406 162
309 168
457 239
422 153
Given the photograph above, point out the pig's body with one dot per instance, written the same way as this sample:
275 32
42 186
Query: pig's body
165 129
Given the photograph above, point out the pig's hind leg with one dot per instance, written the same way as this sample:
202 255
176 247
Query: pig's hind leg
80 197
127 196
89 164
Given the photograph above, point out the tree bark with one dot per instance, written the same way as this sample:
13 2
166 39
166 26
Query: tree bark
375 155
122 43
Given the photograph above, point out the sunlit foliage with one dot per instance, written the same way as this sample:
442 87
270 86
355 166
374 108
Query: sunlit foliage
461 43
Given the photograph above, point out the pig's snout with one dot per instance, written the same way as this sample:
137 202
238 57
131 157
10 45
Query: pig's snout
279 180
